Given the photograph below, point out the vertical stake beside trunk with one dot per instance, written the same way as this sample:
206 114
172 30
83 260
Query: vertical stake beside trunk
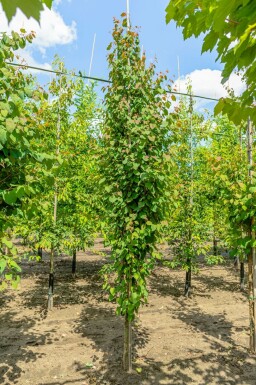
51 281
251 256
242 272
187 291
55 208
127 354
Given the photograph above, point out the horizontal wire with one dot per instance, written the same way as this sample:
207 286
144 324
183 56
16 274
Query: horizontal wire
101 80
58 72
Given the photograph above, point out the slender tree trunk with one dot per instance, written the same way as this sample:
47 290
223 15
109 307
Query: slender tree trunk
188 279
215 246
51 281
40 253
127 354
127 358
74 262
40 249
242 276
215 241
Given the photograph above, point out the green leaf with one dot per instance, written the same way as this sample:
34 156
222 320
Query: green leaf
14 266
10 125
210 41
15 283
219 106
134 297
28 7
2 135
10 197
112 291
8 277
3 264
6 242
48 3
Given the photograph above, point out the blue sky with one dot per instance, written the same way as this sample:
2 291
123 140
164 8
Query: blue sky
69 28
160 40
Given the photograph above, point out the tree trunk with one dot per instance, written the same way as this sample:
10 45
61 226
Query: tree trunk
51 281
127 355
40 253
242 276
74 262
215 246
188 279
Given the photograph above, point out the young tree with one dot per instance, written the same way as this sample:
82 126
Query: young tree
235 178
188 229
67 124
226 159
78 177
20 152
135 172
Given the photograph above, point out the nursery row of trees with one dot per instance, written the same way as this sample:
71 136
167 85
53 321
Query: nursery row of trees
141 168
48 143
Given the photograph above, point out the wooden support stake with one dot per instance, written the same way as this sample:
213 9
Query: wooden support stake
251 256
127 355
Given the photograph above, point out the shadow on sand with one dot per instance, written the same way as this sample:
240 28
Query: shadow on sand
224 363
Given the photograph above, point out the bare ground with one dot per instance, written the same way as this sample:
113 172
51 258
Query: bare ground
202 340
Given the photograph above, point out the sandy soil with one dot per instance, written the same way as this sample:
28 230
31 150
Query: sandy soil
202 340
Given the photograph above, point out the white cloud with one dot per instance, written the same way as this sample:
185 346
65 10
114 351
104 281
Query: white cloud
207 82
25 57
51 31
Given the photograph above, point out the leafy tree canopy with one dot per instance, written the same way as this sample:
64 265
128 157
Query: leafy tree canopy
20 150
31 8
230 28
134 167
